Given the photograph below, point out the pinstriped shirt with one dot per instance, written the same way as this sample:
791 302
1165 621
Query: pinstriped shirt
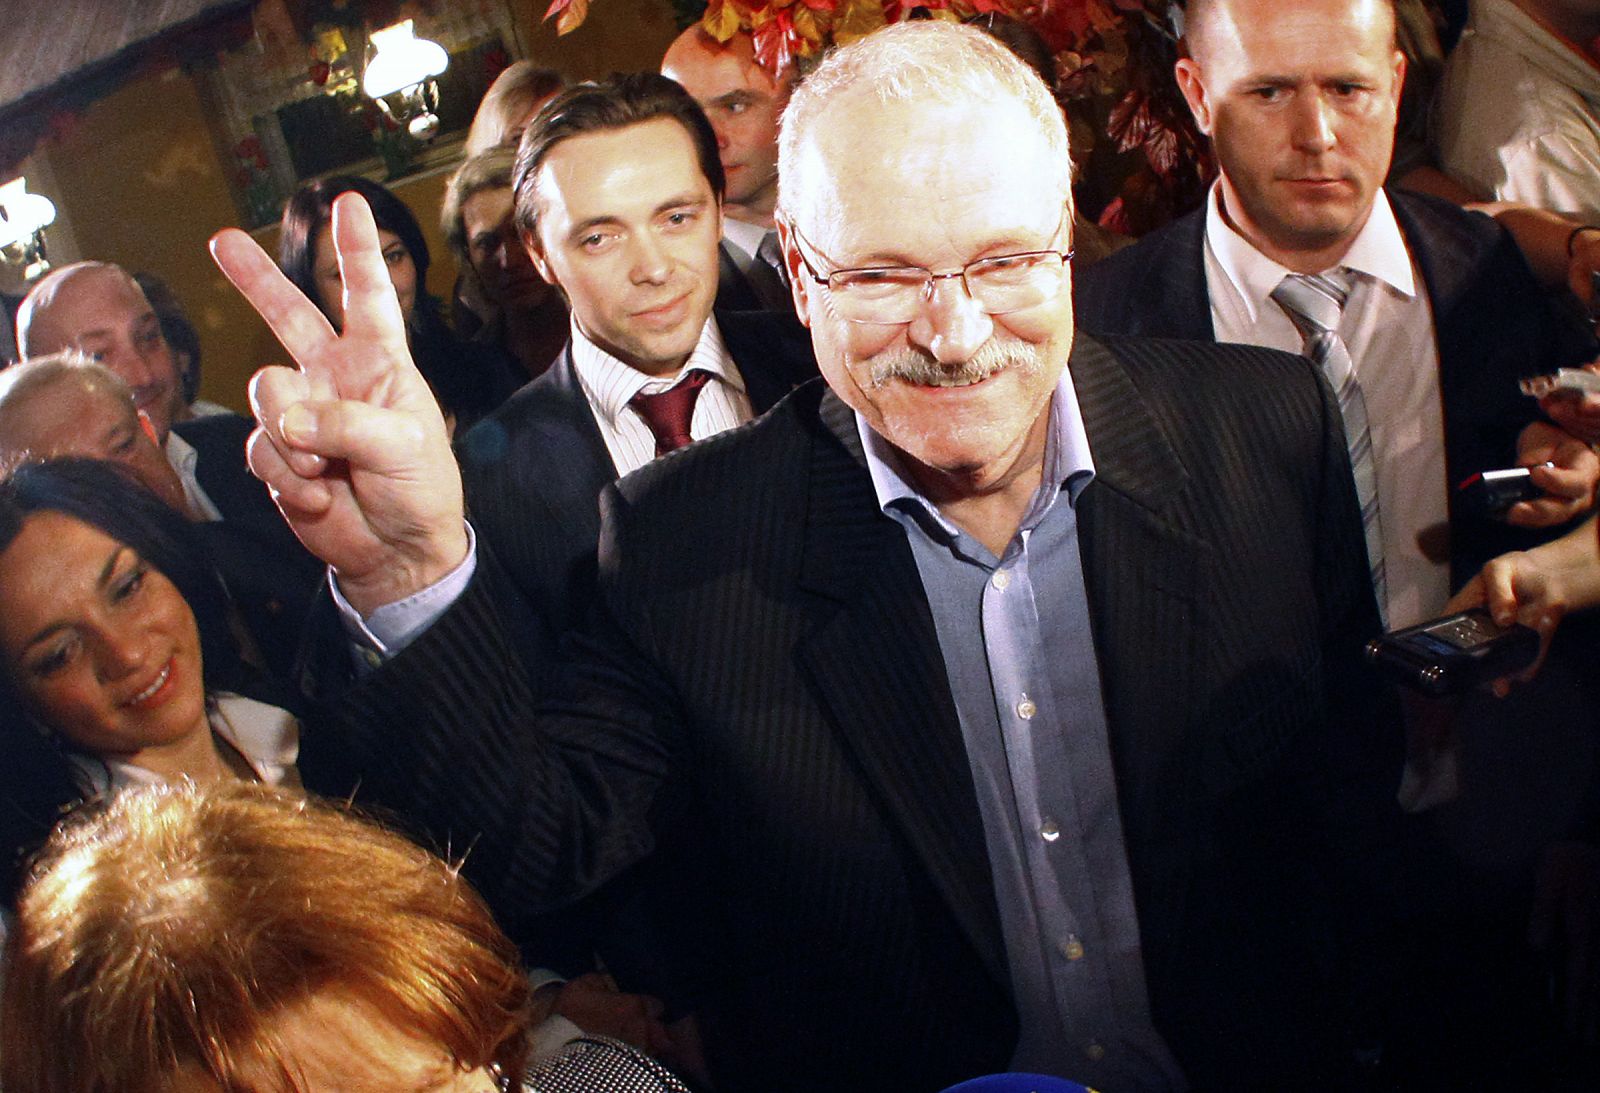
1015 639
608 384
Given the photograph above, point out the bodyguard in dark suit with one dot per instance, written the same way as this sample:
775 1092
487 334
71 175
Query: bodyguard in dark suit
1018 710
743 100
1303 145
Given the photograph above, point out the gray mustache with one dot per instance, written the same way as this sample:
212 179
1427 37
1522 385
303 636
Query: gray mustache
915 366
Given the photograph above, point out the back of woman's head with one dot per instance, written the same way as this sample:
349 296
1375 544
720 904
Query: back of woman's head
511 100
162 939
311 207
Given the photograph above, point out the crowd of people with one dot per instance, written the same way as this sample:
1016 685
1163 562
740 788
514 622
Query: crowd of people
810 612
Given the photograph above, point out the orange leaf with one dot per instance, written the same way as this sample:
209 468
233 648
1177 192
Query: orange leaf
570 14
721 21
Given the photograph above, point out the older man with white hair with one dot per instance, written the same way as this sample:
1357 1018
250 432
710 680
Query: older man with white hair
1009 679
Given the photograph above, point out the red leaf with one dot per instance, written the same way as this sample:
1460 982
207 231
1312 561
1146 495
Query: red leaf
1161 150
774 42
1130 122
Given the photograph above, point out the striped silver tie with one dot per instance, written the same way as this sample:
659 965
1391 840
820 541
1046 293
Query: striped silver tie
1314 304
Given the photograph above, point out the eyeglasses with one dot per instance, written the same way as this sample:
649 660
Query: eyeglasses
890 295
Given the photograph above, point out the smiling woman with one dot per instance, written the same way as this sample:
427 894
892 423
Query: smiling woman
113 630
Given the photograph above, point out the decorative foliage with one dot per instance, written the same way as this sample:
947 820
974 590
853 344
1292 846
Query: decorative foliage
1140 159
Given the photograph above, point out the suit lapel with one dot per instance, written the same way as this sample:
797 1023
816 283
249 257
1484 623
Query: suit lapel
875 657
733 291
565 424
1146 580
1181 291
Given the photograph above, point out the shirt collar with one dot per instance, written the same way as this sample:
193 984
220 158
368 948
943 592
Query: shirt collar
1068 462
180 453
1378 250
266 736
743 236
609 384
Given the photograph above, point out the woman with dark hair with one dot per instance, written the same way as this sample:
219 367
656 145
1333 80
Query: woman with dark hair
468 380
117 665
226 938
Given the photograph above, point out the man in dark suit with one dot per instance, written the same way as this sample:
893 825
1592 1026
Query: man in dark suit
1017 710
1442 315
633 157
743 101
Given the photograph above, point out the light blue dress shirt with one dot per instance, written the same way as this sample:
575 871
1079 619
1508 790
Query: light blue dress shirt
1014 633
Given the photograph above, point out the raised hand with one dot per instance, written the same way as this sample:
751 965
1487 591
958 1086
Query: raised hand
352 445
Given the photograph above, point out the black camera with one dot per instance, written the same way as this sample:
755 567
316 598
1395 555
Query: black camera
1491 493
1455 653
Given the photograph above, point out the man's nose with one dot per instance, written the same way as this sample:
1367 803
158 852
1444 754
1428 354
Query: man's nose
651 264
951 325
1313 124
132 366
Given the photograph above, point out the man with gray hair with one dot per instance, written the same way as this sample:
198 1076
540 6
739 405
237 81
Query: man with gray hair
992 760
65 404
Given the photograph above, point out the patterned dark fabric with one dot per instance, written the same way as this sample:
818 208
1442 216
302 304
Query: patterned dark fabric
594 1064
762 658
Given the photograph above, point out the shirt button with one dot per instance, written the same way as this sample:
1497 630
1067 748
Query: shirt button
1095 1051
1026 709
1001 579
1049 831
1072 948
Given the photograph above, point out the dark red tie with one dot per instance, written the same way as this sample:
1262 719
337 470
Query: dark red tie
669 413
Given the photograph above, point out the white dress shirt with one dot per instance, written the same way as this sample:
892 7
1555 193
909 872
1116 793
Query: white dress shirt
1518 115
1387 326
608 384
181 454
743 239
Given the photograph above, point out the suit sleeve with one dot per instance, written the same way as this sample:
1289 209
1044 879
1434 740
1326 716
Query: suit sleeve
546 800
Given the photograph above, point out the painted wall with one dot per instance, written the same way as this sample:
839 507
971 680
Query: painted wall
137 181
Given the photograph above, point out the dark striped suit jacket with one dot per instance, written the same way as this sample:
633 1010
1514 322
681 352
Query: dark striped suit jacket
533 472
763 659
1492 322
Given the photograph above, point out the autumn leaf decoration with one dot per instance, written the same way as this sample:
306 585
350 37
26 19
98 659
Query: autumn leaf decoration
1113 63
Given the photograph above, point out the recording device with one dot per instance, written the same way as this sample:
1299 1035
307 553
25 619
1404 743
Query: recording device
1448 655
1571 382
1491 493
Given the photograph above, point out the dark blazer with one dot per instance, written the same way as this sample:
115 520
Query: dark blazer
1492 321
535 468
271 578
733 288
762 655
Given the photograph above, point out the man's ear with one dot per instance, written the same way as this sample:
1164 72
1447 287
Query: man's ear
530 243
1191 81
1399 76
800 282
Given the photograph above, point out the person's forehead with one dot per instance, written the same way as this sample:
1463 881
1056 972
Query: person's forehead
97 297
880 172
65 417
1302 38
486 209
619 172
707 71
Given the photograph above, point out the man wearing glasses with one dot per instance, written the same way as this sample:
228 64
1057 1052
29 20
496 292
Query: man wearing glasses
1014 707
